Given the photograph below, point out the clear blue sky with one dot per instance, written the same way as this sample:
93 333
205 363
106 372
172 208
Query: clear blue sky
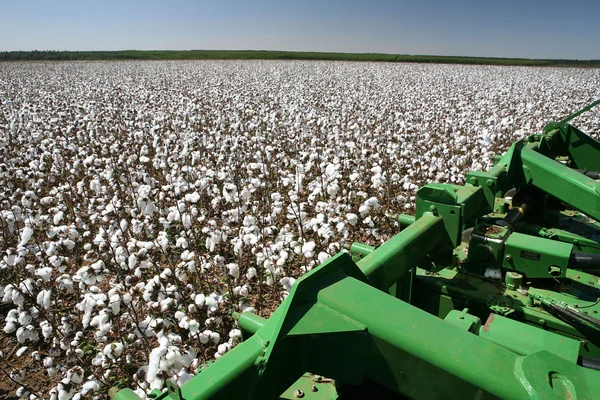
500 28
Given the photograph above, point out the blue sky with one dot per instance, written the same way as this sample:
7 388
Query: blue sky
531 29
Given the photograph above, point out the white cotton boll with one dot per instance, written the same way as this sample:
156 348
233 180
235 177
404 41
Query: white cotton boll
43 298
283 256
26 235
22 392
21 351
373 203
235 334
307 249
25 318
154 363
181 242
10 327
10 259
205 337
215 337
250 239
287 283
364 209
192 197
352 218
186 220
199 300
211 303
69 244
46 329
223 348
184 378
493 273
75 375
179 315
251 273
193 326
45 273
58 217
249 221
233 270
90 386
323 256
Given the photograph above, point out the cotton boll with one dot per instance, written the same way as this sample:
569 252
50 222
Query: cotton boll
233 270
323 256
25 318
352 218
26 235
235 334
46 329
205 337
215 337
58 217
287 283
307 249
199 300
90 386
493 273
223 348
10 327
75 375
251 273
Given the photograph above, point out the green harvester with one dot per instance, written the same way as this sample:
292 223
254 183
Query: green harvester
492 290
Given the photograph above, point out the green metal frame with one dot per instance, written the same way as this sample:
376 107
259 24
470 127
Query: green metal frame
405 318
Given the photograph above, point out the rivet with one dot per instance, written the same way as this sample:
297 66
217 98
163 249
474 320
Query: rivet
299 393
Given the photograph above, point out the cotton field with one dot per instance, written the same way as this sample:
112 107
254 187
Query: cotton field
141 203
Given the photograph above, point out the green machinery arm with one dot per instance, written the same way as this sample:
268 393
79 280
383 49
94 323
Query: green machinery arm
362 322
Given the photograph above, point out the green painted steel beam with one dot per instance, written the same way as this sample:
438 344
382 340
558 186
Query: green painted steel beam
397 256
575 189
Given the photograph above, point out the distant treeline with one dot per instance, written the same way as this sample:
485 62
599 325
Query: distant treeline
277 55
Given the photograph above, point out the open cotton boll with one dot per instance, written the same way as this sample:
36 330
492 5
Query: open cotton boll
233 270
215 337
58 217
26 235
287 283
90 386
493 273
199 299
323 256
251 273
223 348
25 318
307 249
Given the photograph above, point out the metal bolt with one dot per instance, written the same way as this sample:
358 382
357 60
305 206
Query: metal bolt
508 257
489 183
314 388
299 394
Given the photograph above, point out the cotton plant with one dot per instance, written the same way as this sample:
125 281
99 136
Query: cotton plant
132 225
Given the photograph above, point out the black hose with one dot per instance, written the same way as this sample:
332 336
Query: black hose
580 260
589 362
590 174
